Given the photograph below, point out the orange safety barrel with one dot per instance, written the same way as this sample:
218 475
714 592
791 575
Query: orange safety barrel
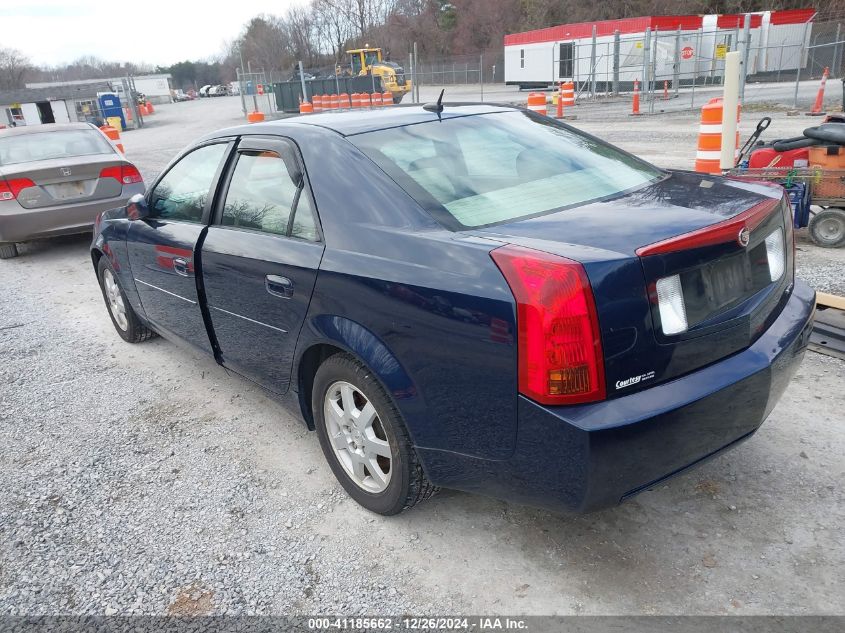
387 98
255 117
306 108
365 100
113 134
567 93
537 102
150 108
356 100
344 100
376 97
334 104
317 103
708 152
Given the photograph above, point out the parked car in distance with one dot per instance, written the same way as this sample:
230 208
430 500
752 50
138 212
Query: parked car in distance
56 179
508 307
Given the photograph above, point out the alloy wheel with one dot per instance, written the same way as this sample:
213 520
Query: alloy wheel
115 300
357 436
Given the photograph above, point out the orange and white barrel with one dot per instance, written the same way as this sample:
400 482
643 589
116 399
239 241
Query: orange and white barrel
344 100
709 150
113 134
356 100
376 99
317 103
567 93
334 102
365 100
387 98
537 102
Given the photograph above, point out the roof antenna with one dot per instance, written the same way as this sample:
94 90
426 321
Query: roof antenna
436 107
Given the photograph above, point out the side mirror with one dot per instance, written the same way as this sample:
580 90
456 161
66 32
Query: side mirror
136 208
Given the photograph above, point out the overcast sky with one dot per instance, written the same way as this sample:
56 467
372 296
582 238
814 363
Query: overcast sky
154 31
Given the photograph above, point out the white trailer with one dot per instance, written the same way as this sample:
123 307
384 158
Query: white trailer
647 47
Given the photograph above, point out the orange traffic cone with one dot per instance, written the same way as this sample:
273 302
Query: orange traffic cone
819 104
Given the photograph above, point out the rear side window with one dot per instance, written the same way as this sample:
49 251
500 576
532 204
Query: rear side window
52 144
264 196
183 192
482 170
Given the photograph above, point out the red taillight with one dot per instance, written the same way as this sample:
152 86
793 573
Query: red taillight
125 174
9 189
130 175
559 343
719 233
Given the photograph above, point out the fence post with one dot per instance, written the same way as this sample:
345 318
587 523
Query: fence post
416 86
616 62
800 63
646 49
653 71
676 68
746 50
481 75
302 82
835 61
593 65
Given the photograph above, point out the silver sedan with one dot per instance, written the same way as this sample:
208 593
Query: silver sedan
56 179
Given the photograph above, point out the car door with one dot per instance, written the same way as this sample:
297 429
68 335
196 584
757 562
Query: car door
260 259
161 248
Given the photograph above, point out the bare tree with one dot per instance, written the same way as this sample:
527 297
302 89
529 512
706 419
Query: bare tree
14 67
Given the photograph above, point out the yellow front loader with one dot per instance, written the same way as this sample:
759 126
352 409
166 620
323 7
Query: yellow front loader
366 61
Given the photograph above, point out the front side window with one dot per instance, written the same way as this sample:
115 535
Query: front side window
481 170
264 195
183 192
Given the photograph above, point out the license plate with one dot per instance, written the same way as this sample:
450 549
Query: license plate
727 280
65 190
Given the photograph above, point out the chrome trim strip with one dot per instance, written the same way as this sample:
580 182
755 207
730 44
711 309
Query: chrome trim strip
172 294
240 316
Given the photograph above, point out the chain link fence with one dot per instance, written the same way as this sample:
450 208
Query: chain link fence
668 65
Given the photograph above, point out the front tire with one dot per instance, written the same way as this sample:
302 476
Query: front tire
827 228
8 250
364 438
123 317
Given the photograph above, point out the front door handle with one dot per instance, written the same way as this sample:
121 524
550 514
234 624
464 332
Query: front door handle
180 266
279 286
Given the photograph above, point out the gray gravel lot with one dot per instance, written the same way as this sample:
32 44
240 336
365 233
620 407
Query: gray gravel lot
144 479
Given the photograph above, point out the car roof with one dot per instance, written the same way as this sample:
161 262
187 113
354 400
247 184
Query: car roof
22 130
350 122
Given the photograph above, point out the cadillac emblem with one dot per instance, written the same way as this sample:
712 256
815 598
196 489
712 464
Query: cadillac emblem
744 237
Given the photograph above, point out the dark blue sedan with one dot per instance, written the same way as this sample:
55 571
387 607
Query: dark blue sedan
477 298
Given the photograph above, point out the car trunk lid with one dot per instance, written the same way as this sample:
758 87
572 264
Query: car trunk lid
687 229
66 181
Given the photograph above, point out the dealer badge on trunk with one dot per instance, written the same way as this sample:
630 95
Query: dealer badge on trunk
66 171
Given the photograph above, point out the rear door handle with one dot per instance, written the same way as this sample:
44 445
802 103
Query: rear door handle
279 286
180 266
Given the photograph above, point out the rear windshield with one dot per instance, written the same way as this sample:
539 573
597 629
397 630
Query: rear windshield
482 170
27 148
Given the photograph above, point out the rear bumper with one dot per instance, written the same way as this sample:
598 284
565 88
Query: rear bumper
588 457
18 224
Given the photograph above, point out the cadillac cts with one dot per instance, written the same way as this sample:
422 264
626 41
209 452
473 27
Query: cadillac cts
476 298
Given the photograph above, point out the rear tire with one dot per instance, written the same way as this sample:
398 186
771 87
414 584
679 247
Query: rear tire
827 228
8 250
362 427
123 317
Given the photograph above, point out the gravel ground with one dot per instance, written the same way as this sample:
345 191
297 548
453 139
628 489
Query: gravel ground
144 479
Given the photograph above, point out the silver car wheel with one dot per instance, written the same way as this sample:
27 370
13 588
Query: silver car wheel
357 436
115 300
